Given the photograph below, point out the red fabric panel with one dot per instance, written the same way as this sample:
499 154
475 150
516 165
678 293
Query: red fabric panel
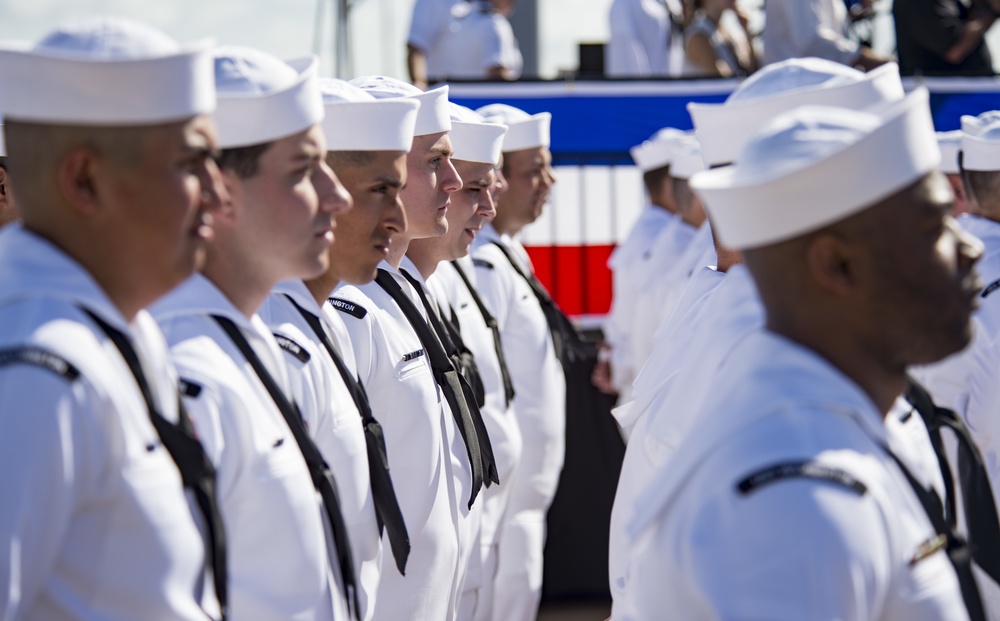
577 276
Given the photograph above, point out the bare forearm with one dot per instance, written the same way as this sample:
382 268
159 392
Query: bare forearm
970 38
416 64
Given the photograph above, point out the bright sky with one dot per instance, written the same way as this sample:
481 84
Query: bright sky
286 28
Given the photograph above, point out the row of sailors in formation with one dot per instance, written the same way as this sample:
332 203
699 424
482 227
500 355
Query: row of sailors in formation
804 339
371 413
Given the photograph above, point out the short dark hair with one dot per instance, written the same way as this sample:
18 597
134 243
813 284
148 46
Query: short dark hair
244 161
348 159
985 188
3 162
653 179
683 195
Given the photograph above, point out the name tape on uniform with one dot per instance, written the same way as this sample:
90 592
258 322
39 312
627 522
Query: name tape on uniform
800 470
349 307
36 356
289 346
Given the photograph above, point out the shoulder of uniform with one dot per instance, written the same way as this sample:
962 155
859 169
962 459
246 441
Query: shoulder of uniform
289 346
351 308
799 470
39 357
483 263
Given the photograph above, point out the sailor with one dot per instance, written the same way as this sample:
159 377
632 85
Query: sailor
429 21
513 295
647 39
8 210
793 461
448 270
478 44
950 144
719 307
288 545
615 373
367 141
431 439
116 187
814 28
678 252
965 382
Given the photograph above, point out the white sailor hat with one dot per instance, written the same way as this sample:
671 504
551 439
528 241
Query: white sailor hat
524 131
262 98
981 152
433 117
950 143
106 72
723 129
657 150
815 166
356 121
972 125
686 159
473 139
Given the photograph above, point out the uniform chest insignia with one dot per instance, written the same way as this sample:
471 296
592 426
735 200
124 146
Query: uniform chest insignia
413 355
291 347
928 548
349 307
800 470
36 356
990 288
189 388
482 263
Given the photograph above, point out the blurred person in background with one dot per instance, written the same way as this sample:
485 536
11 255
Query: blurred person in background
471 40
799 28
646 38
944 36
713 49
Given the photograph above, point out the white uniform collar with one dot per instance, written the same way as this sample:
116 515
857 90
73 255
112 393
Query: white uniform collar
200 296
979 226
403 282
411 269
297 290
31 266
489 234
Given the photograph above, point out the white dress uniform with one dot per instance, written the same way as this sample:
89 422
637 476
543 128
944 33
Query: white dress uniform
652 282
430 20
470 524
672 336
476 39
334 423
804 28
701 338
280 555
736 529
505 435
619 323
94 520
540 407
643 42
427 456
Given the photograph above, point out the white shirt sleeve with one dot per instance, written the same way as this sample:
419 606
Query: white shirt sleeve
811 29
429 19
56 445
